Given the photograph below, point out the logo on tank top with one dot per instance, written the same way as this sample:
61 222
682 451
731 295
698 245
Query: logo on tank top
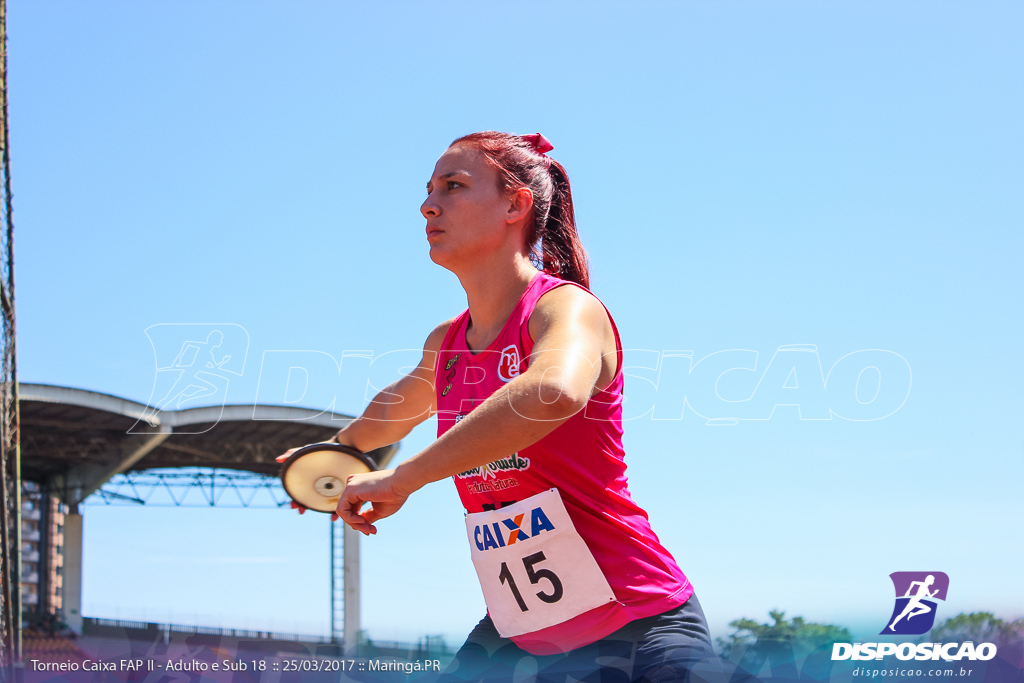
450 367
513 463
512 530
508 365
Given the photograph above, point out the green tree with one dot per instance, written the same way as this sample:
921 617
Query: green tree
979 627
797 635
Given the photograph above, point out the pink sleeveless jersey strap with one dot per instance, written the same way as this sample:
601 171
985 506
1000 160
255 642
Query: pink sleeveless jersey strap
453 329
546 284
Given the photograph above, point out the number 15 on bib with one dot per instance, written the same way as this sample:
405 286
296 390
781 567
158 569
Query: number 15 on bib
534 568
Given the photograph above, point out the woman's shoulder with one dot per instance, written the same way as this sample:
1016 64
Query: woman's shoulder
569 311
570 316
435 339
565 302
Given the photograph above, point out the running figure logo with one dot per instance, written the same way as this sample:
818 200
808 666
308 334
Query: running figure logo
194 365
916 593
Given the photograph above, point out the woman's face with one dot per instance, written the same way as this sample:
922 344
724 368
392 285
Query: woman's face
467 216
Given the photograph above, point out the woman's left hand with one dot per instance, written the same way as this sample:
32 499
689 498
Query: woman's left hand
380 489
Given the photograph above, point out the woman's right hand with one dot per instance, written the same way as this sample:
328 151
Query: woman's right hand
380 489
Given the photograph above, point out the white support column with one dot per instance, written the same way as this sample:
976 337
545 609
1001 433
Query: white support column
73 571
351 590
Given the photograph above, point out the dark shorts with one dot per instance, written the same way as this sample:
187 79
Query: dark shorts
658 649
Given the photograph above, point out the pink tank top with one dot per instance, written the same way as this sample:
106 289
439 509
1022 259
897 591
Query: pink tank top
582 458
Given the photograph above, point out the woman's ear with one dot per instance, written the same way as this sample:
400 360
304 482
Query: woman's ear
519 206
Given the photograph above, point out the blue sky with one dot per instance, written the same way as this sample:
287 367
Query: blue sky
746 177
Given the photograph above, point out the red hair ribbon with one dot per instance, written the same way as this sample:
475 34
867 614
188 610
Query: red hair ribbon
540 144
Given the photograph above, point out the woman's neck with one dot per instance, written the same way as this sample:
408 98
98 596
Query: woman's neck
494 292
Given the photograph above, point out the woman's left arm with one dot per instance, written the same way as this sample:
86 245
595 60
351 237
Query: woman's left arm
571 329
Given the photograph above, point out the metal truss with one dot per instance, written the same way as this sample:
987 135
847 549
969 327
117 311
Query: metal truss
191 487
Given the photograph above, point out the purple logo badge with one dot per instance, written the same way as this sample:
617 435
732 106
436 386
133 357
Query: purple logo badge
916 593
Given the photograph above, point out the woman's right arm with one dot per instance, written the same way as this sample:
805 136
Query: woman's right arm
397 409
401 406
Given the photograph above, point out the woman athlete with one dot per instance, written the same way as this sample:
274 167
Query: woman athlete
527 387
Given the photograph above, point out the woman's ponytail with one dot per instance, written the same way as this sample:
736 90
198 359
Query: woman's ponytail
551 237
562 253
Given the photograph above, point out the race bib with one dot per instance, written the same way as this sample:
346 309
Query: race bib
534 569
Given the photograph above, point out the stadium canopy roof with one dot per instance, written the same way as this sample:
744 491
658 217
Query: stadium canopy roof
74 440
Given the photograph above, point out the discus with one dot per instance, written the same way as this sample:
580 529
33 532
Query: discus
314 476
